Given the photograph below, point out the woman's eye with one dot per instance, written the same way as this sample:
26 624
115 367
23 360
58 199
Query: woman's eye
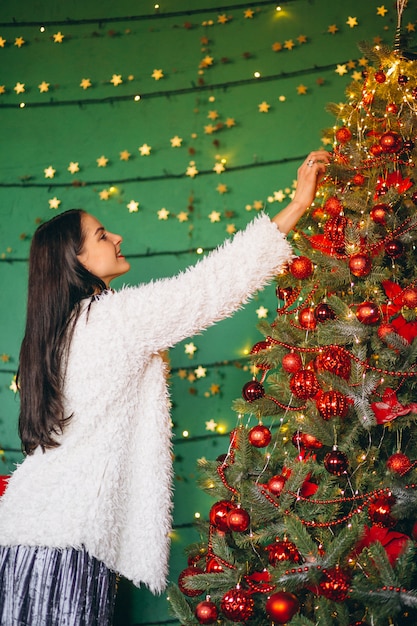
103 236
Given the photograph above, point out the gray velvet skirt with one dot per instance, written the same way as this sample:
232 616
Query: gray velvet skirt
49 587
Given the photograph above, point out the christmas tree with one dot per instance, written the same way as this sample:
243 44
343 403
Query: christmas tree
314 519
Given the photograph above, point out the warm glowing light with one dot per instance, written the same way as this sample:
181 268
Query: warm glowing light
185 433
22 105
199 250
197 515
257 74
221 428
278 8
137 98
42 29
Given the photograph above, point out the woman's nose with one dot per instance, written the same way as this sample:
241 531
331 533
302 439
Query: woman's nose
116 238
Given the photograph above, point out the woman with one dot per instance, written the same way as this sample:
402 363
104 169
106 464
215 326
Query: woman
93 495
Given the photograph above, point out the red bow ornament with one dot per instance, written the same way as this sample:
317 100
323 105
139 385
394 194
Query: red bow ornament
389 409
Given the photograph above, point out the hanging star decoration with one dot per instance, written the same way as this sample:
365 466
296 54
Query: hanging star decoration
145 150
43 87
190 348
248 14
19 88
211 425
116 79
2 42
54 203
341 69
125 155
49 172
222 19
219 168
206 62
191 171
381 10
133 206
214 216
157 74
332 29
262 312
279 196
102 161
163 214
264 107
19 42
85 83
182 217
200 372
289 44
73 167
352 21
357 76
176 142
104 194
58 37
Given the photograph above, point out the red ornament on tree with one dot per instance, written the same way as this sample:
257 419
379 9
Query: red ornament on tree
343 134
379 213
283 551
399 463
384 330
276 484
358 179
324 312
390 142
281 607
301 267
306 441
284 293
307 318
259 347
402 79
368 313
333 206
379 511
218 514
304 384
360 264
392 108
253 390
409 297
237 605
189 571
259 436
334 230
332 404
394 248
335 584
213 566
336 462
238 520
291 362
335 360
206 612
380 76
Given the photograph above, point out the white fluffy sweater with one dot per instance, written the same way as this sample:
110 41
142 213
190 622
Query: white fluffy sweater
107 487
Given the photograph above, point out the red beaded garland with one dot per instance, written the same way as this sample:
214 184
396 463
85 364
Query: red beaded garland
284 293
258 347
259 436
335 584
304 384
206 612
360 264
332 404
301 267
237 605
282 606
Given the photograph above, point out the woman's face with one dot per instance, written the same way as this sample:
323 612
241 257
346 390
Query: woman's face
101 253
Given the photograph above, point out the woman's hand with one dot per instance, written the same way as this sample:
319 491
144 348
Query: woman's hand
308 176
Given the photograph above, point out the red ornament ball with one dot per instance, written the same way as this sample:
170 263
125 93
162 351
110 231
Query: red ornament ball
253 390
399 463
258 347
379 213
358 179
333 206
189 571
335 584
360 264
380 76
343 134
392 108
390 142
238 520
304 384
368 313
218 514
409 298
292 362
237 605
332 404
283 551
384 330
324 312
301 267
335 360
306 441
379 511
394 248
282 606
334 230
376 150
336 462
213 566
206 612
259 436
276 484
307 318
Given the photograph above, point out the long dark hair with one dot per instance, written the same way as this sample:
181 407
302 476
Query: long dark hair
57 284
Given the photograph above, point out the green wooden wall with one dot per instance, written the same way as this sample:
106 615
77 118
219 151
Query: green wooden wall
174 126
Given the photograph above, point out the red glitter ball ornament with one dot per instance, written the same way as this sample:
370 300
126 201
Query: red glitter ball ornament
238 520
291 362
399 463
336 462
213 566
307 318
332 404
360 264
283 551
392 108
379 511
394 248
259 436
409 298
390 142
237 605
335 360
343 134
333 206
380 76
281 607
276 484
335 584
375 149
253 390
304 384
324 312
189 571
379 213
218 514
301 267
206 612
368 313
358 179
384 330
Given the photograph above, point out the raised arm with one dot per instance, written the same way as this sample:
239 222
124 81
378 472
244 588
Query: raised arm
308 175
